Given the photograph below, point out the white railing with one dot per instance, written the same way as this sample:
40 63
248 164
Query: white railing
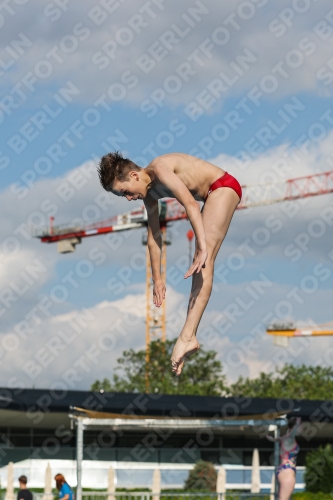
136 474
146 495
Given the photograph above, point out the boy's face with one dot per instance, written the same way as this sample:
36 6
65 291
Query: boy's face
134 188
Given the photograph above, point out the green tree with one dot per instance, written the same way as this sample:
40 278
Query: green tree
104 385
319 470
202 477
202 374
298 382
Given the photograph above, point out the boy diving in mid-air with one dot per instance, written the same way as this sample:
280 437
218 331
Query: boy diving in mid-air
188 179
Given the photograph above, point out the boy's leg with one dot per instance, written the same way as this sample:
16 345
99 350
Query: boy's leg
216 215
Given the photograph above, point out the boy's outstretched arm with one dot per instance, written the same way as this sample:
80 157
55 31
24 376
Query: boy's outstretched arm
155 247
183 195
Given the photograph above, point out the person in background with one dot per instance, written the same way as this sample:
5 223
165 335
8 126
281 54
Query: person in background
289 448
23 493
65 491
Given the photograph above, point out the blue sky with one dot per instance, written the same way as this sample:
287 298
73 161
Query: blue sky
247 86
137 132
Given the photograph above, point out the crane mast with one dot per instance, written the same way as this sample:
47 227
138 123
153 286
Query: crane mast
155 317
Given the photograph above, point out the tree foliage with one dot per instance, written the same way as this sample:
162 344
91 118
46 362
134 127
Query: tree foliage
202 374
298 382
319 470
202 477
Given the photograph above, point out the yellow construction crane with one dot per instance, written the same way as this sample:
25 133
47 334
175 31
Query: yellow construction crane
283 331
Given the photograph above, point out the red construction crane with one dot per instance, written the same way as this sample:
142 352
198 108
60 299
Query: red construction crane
170 210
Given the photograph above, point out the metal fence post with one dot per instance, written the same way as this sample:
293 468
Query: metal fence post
276 460
79 457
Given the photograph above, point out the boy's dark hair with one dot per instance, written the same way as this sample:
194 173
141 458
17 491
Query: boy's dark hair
23 479
114 167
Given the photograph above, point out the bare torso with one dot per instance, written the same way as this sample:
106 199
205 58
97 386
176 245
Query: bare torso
197 175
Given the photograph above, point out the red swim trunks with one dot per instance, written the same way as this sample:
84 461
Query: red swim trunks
226 180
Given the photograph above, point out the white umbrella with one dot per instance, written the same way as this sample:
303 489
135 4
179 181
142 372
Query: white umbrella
111 484
221 480
156 484
10 482
48 483
255 480
272 495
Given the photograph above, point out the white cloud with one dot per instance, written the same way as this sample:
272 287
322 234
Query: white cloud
280 163
76 348
116 47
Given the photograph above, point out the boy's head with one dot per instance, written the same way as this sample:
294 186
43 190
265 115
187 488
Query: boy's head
23 481
122 176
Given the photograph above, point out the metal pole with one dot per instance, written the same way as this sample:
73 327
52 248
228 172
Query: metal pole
79 457
190 235
190 253
276 460
148 316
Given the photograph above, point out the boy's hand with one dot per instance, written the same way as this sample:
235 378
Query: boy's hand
158 292
199 260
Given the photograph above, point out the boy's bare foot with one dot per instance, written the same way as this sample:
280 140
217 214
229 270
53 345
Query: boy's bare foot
183 349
